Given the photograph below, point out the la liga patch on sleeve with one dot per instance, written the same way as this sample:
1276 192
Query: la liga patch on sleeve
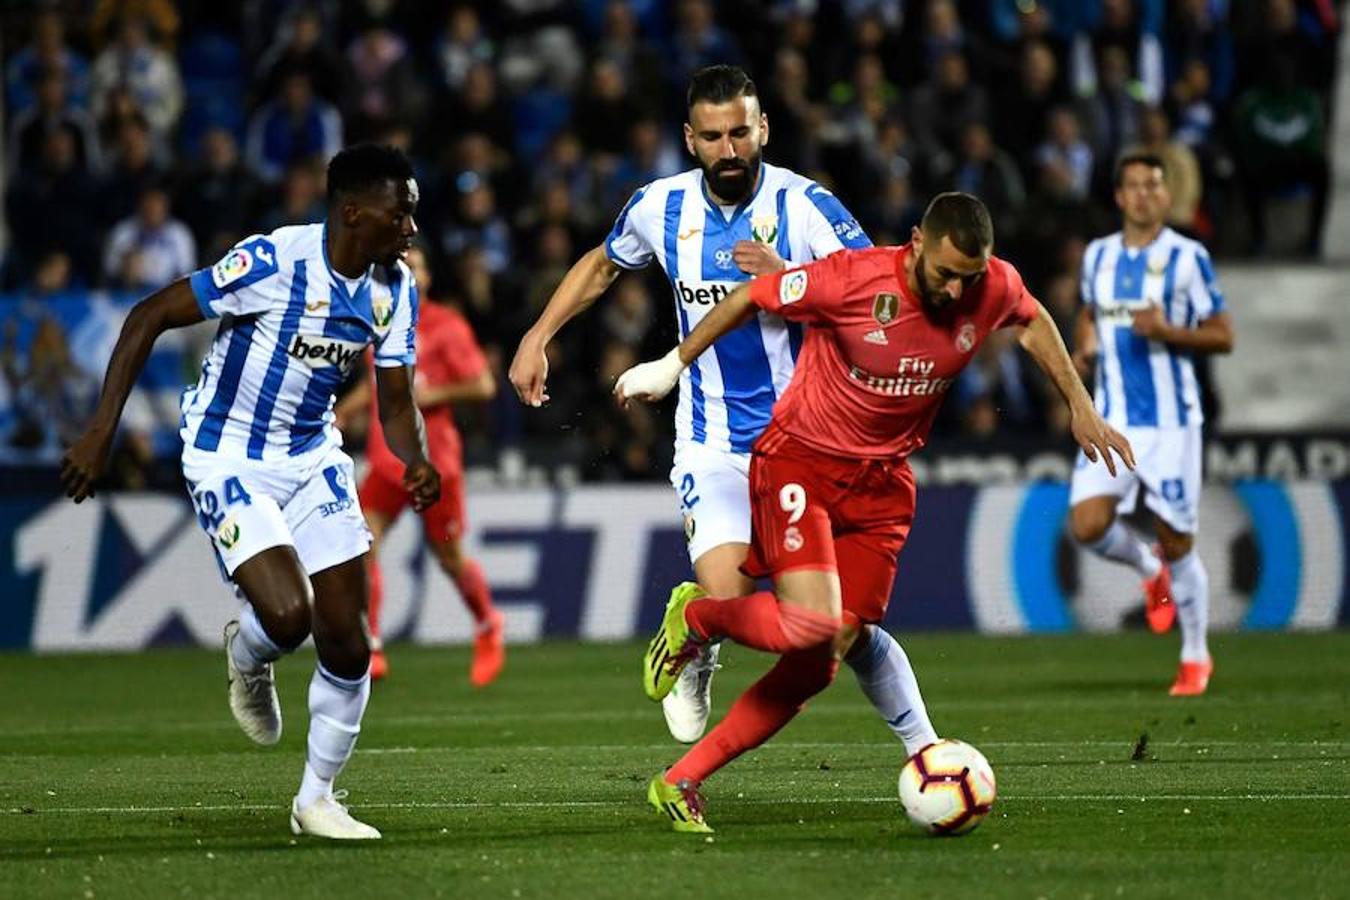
245 264
235 265
792 287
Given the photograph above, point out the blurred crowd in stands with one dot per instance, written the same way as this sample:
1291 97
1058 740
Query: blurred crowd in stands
144 137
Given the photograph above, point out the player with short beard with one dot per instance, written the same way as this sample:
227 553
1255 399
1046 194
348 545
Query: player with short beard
833 495
712 228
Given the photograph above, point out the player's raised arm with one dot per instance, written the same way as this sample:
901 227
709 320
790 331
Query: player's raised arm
583 284
174 306
406 433
800 295
653 380
1042 342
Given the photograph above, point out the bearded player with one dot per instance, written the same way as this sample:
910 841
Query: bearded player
712 228
832 492
451 368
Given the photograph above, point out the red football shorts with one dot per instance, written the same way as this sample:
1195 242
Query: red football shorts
383 493
811 510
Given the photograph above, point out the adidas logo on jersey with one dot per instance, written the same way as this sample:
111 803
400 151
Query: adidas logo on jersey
317 352
877 336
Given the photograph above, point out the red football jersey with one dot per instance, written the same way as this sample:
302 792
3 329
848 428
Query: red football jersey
876 363
447 352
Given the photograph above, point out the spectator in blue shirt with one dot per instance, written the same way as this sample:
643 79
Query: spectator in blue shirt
295 126
46 51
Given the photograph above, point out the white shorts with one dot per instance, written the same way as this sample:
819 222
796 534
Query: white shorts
713 487
308 502
1167 468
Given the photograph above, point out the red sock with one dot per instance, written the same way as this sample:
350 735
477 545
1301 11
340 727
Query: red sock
473 587
760 621
759 713
375 579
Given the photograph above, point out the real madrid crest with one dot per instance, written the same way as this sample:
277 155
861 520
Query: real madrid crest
764 228
885 308
965 338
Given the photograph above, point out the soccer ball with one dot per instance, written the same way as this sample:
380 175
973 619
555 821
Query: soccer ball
947 787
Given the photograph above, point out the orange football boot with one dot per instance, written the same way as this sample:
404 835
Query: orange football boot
1159 609
379 664
1192 679
489 651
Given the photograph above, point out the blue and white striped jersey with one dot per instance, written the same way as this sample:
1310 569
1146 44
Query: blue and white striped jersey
727 395
1143 383
291 329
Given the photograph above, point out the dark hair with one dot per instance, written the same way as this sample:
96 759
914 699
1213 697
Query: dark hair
1137 159
366 167
961 217
718 84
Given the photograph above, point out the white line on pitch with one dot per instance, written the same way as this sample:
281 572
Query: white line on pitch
570 804
460 718
864 745
854 745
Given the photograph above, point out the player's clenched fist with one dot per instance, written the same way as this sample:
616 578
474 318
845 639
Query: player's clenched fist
423 483
649 381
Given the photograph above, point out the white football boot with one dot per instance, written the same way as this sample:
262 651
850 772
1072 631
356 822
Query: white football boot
253 696
327 818
689 702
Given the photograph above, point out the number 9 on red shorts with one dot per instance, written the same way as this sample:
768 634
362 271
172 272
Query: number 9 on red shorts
812 510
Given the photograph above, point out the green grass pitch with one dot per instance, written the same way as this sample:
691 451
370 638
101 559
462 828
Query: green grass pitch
124 776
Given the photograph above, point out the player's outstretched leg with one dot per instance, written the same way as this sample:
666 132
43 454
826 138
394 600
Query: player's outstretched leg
758 620
1095 525
887 678
757 715
338 693
274 621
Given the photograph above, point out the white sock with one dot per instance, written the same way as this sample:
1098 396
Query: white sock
335 709
886 677
252 648
1190 591
1123 545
